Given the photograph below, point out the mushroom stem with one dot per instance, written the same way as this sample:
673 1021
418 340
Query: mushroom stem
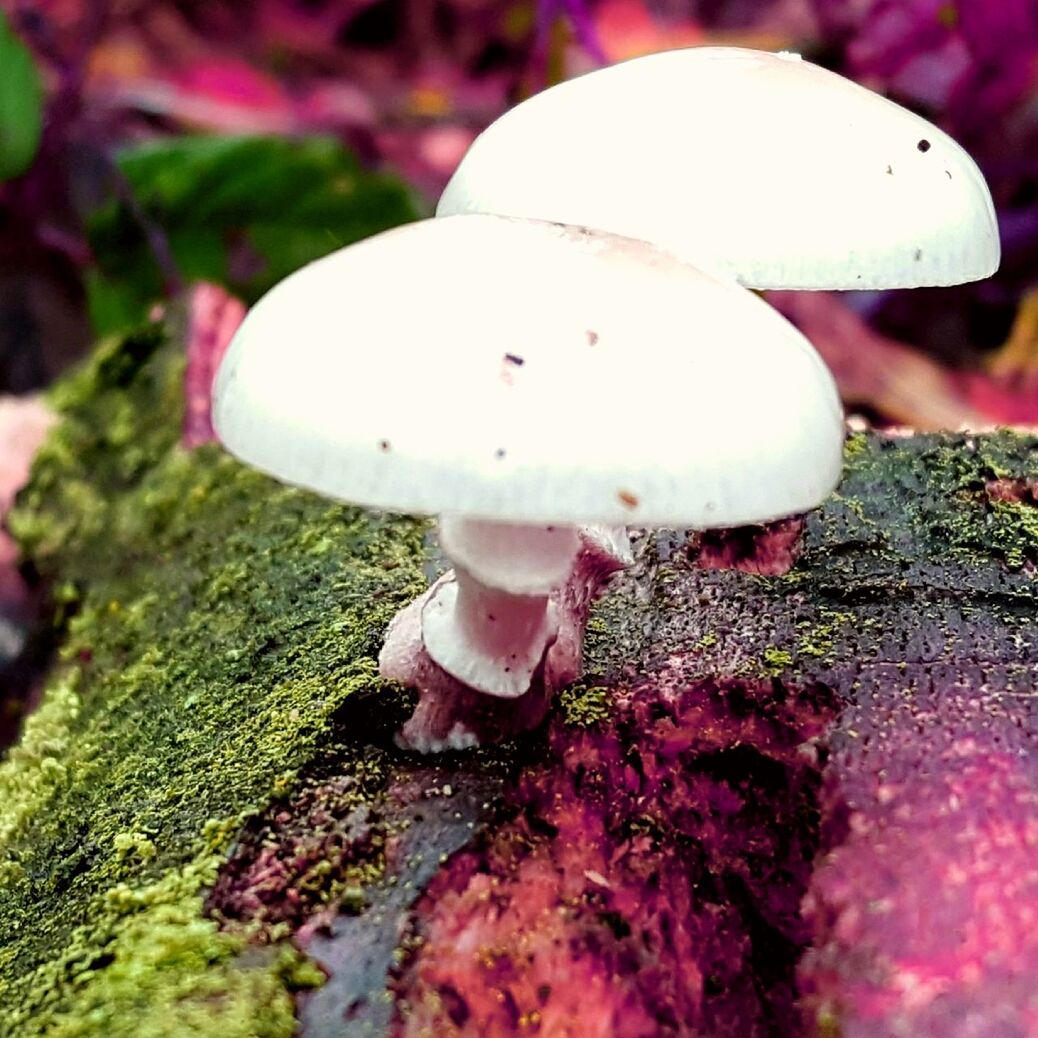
491 640
490 626
453 713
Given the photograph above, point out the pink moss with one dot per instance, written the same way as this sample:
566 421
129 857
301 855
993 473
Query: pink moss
647 883
1012 491
770 550
926 915
286 866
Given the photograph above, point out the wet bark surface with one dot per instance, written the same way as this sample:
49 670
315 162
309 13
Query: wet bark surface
797 792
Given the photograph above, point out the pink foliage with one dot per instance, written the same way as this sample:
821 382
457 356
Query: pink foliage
902 383
415 105
24 422
971 62
213 316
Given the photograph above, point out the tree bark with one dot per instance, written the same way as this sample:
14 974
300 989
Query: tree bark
795 793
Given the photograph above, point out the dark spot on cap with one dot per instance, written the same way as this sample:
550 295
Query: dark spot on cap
592 337
890 170
491 617
918 255
499 453
627 499
514 358
383 445
923 145
947 173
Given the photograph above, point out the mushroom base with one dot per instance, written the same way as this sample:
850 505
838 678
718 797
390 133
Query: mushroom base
451 715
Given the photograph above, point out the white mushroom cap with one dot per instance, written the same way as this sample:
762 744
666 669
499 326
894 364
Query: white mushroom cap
517 370
761 166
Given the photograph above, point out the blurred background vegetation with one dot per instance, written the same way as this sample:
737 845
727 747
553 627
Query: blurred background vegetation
147 144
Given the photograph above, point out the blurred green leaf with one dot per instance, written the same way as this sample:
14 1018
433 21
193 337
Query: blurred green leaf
21 104
241 211
112 305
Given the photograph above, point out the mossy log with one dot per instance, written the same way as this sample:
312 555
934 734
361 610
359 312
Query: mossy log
796 791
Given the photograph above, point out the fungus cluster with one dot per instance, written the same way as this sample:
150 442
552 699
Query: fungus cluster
562 366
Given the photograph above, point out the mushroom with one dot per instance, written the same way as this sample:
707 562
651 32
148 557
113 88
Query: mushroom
519 379
758 166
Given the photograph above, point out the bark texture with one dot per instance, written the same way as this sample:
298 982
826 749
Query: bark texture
795 793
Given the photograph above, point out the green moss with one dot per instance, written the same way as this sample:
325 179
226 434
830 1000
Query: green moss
1013 532
161 968
583 706
776 660
944 486
856 443
819 637
927 499
979 528
206 660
